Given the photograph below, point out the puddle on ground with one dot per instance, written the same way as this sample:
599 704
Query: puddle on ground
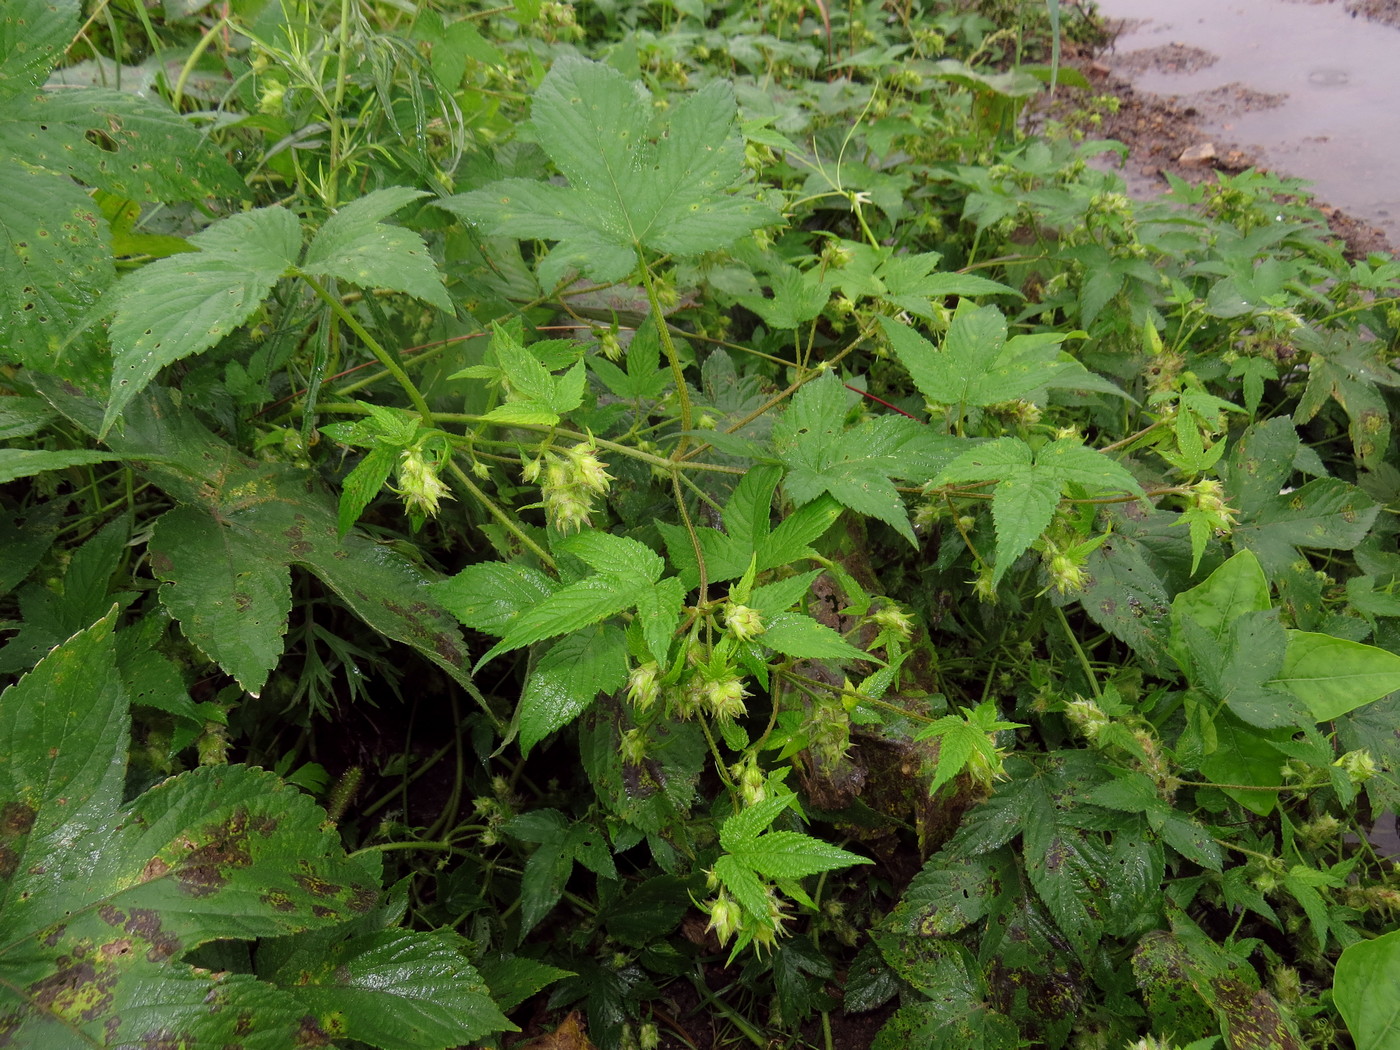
1304 87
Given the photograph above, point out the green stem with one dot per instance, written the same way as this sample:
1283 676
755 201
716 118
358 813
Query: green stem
1079 652
386 847
385 358
704 585
677 372
188 68
501 516
337 100
728 1013
467 419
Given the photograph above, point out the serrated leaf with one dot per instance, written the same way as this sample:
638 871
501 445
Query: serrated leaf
363 483
743 828
636 181
747 515
1070 874
185 304
22 416
488 597
515 978
773 598
395 989
739 879
102 898
911 283
796 634
48 618
571 608
793 855
229 601
135 147
853 465
659 612
1245 756
791 538
797 298
1029 486
1326 513
978 365
33 34
568 678
613 555
354 245
25 462
56 263
1191 840
282 517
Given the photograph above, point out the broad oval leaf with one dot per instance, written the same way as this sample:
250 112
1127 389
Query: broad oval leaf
1364 972
1334 675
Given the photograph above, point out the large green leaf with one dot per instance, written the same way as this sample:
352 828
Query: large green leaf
1029 486
55 262
568 678
636 181
137 148
1335 675
1237 587
853 464
24 462
356 246
251 532
270 517
396 989
229 600
1364 973
489 596
33 33
185 304
100 901
1187 978
978 365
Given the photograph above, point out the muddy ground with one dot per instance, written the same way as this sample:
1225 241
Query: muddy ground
1387 11
1164 133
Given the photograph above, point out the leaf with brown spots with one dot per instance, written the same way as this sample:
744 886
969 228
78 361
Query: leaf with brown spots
100 901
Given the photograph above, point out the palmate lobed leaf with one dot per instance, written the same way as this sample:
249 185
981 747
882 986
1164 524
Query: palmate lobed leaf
793 855
635 181
276 515
853 465
1030 485
979 365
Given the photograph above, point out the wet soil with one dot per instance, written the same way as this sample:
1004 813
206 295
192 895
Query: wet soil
1195 134
1385 11
1165 133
